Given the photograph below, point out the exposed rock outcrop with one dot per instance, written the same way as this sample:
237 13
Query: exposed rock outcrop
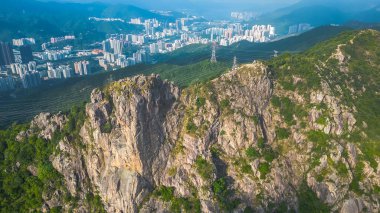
241 141
125 161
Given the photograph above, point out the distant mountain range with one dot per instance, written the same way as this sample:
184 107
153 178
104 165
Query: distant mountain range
318 13
45 19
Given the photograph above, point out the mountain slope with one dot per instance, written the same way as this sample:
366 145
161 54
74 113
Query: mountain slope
316 15
296 133
321 12
371 15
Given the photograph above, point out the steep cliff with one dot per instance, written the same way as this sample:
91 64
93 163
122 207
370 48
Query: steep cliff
296 133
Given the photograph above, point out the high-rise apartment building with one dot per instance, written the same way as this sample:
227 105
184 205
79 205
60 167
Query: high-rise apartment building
6 54
82 68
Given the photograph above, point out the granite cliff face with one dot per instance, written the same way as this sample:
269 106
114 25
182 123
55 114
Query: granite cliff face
263 137
125 162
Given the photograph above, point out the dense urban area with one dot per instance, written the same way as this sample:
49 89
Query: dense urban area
25 63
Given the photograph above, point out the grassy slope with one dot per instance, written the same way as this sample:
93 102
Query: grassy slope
364 66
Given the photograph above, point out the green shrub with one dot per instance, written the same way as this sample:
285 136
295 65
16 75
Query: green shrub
249 209
321 120
224 104
342 169
269 155
223 195
246 168
276 102
264 169
309 202
200 102
106 128
357 177
222 133
317 136
252 153
177 204
256 119
288 85
191 127
165 193
261 143
94 203
282 133
320 140
204 168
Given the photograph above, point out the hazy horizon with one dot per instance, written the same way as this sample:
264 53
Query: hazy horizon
222 8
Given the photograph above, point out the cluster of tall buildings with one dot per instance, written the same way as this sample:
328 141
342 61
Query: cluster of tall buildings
182 24
125 39
236 33
150 26
168 29
53 55
299 28
82 68
105 19
65 71
62 71
54 40
164 47
7 56
27 73
23 41
120 60
20 69
113 45
246 16
113 51
26 70
136 21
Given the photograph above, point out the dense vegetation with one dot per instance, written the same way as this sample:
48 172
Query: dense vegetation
178 204
356 88
364 61
27 174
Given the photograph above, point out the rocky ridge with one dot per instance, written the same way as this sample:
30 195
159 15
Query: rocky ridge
246 141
